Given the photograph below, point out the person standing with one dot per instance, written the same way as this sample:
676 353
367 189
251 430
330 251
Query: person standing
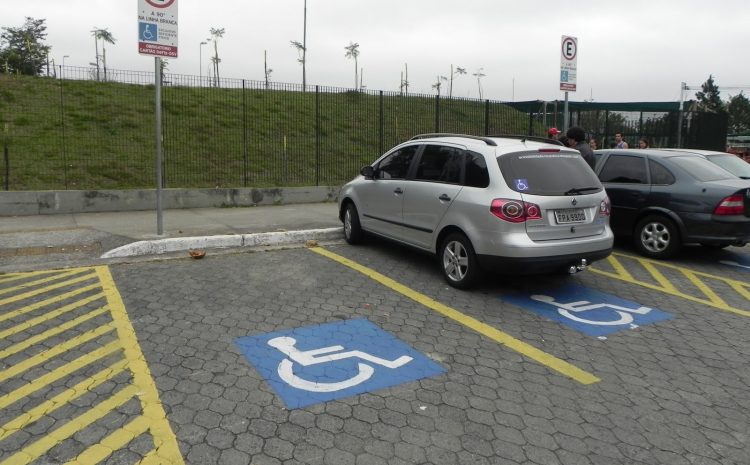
552 133
579 136
593 144
619 142
643 143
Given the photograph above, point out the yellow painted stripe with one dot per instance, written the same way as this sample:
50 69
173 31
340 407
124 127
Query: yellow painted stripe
35 292
52 300
49 406
58 373
38 281
164 439
619 268
662 264
496 335
9 277
35 450
43 318
658 276
741 290
704 289
14 349
114 441
45 356
150 459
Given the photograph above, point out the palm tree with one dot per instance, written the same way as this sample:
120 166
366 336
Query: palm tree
105 36
479 75
352 51
301 60
439 84
459 71
216 33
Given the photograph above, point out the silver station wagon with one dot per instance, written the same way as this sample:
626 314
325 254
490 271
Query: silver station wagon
507 204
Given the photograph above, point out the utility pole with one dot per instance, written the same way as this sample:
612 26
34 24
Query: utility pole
304 50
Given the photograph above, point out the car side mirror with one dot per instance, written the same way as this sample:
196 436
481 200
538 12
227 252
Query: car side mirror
368 172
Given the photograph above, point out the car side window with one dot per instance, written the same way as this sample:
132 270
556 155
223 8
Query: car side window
660 174
624 169
476 171
396 165
439 163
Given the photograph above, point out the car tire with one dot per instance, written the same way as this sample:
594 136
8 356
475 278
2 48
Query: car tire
657 236
353 232
458 261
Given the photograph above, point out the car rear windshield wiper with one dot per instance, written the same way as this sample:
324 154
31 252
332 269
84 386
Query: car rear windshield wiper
578 190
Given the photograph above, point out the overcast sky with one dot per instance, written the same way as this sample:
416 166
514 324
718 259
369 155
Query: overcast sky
631 50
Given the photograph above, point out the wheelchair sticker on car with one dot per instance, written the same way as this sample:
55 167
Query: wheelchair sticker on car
325 362
591 312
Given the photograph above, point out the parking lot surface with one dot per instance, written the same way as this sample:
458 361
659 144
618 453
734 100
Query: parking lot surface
363 355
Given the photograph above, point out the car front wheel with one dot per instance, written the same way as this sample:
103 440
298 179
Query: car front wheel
657 237
458 261
352 229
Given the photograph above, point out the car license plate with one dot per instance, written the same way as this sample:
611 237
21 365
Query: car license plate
570 215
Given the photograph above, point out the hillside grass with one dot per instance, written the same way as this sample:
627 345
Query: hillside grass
71 134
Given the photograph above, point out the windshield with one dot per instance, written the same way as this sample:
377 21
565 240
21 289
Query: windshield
702 169
548 173
732 163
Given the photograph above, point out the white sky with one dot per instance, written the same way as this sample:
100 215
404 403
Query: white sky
636 50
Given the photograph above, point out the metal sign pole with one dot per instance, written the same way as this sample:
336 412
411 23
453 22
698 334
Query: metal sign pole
157 86
566 117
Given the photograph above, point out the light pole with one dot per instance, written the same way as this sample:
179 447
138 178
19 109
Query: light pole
200 61
64 57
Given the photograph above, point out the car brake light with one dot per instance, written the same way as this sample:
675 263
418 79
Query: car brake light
515 211
605 207
732 205
549 150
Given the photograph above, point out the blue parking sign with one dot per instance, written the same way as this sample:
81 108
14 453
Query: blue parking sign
591 312
316 364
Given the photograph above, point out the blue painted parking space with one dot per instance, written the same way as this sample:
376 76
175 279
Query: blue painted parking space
325 362
591 312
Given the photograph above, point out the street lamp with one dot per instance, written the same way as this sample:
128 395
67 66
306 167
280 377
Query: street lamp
200 61
64 57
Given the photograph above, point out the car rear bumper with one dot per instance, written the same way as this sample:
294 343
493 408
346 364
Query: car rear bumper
717 230
538 265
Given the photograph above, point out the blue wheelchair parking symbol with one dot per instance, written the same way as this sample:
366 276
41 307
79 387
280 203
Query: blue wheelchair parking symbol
522 184
148 32
316 364
588 311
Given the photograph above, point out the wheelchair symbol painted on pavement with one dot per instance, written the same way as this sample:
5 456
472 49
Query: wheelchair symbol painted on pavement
316 364
570 310
286 344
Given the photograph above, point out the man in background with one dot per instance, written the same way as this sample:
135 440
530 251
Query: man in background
577 140
619 142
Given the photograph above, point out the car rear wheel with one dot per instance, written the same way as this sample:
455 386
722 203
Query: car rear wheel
458 261
657 237
352 229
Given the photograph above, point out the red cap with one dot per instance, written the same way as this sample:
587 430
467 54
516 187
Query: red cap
553 132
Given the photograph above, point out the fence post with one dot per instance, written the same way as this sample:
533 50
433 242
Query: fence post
606 127
6 158
317 135
486 117
244 136
62 128
380 125
531 123
640 127
437 113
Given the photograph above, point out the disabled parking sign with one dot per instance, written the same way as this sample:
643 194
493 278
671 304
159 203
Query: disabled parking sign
320 363
591 312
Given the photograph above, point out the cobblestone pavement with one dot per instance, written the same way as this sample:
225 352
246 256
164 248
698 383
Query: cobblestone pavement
673 392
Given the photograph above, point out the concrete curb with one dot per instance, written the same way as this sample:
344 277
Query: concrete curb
178 244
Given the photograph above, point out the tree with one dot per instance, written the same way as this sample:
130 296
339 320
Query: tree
479 75
266 70
22 49
352 51
439 83
301 59
459 71
105 36
739 114
216 33
708 98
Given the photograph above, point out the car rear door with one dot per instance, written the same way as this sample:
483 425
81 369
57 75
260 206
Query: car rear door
435 185
625 177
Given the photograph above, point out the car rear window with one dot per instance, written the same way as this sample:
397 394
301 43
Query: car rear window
547 173
702 169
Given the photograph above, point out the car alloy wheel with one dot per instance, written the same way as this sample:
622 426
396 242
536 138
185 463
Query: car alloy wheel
458 261
352 229
657 237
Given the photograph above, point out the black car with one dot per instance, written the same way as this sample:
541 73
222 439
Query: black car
666 198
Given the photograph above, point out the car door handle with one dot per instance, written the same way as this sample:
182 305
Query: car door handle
398 191
444 198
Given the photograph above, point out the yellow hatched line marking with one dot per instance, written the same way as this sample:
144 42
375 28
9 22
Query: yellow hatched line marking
659 277
619 268
58 373
149 459
8 277
14 349
42 318
50 301
39 281
55 351
114 441
36 292
164 439
35 450
704 289
737 285
49 406
496 335
740 288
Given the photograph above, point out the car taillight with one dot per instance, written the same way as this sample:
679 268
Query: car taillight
732 205
605 207
515 211
549 150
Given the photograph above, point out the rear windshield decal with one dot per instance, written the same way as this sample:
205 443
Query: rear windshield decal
521 184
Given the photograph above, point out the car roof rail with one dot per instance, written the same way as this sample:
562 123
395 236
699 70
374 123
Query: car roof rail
529 138
486 140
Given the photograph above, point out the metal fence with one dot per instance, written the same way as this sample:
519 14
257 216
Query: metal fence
83 129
